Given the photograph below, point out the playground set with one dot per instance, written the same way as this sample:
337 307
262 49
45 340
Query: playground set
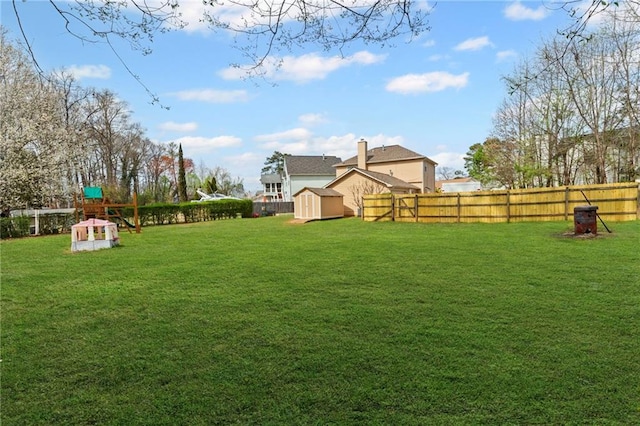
95 205
96 231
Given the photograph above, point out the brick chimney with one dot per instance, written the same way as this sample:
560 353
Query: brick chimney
362 154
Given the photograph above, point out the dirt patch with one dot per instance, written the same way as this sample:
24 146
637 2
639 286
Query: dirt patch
583 236
299 221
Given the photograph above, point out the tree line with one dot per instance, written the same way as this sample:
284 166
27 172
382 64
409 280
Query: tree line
57 136
572 113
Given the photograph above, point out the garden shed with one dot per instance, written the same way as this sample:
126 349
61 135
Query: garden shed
317 203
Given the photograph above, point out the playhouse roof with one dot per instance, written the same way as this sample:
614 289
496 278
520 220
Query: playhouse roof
93 222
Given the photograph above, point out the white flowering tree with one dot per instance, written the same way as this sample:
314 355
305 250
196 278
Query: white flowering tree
33 143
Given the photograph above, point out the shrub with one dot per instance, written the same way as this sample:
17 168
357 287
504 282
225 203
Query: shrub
14 227
167 213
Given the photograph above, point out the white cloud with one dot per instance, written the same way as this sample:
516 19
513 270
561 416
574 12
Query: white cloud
90 71
516 11
477 43
247 166
303 68
429 43
346 146
293 134
454 160
199 144
596 13
212 96
505 55
299 142
312 119
194 14
429 82
436 58
170 126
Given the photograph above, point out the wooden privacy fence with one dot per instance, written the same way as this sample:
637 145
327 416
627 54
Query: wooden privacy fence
616 202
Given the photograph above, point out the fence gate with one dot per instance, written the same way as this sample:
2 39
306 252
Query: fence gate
406 207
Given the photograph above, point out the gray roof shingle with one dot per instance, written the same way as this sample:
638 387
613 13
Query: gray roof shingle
319 165
383 154
388 180
270 178
323 192
385 179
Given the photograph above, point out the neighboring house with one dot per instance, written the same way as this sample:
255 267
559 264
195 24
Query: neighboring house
395 161
357 182
307 171
271 187
465 184
383 169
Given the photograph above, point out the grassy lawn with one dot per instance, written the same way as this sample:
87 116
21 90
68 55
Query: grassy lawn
259 321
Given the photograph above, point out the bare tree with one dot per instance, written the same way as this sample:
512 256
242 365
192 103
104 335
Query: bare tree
447 173
572 110
226 183
260 29
625 43
365 187
583 13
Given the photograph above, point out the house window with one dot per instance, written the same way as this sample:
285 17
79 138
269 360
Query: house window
278 187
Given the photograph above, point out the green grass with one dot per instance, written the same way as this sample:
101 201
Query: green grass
258 321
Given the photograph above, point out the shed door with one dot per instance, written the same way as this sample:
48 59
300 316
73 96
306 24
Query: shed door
307 206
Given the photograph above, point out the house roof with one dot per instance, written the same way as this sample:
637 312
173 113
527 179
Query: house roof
322 192
384 179
385 154
319 165
456 180
270 178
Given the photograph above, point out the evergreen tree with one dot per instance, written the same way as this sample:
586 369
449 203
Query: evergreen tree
182 179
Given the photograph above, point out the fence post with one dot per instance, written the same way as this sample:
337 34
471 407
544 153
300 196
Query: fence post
508 206
459 208
393 208
566 203
638 202
416 207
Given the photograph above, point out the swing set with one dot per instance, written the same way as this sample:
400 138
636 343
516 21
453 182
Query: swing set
94 205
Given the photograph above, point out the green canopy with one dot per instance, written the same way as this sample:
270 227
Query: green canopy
92 192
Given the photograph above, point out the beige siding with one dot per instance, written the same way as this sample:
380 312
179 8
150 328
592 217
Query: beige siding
331 207
420 173
308 205
350 186
409 171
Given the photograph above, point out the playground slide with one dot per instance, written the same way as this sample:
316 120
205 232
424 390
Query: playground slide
117 216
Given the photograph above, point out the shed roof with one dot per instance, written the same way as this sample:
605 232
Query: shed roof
310 164
385 154
322 192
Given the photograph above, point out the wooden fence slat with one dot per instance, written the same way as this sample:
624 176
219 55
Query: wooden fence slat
617 202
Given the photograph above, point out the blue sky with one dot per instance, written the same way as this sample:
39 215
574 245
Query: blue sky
435 95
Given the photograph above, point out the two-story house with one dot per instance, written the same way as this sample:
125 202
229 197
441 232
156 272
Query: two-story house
392 169
272 187
396 161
